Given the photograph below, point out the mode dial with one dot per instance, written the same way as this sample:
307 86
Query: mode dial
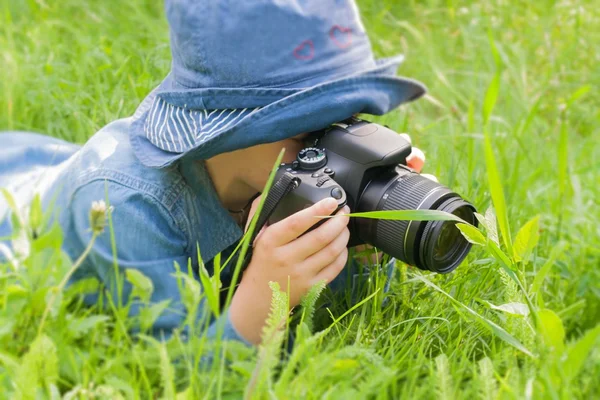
311 158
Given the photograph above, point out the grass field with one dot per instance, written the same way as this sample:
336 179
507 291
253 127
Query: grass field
512 118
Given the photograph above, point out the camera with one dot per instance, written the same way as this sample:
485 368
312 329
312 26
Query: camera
363 164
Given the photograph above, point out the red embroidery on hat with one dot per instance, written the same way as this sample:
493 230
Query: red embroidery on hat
341 36
305 50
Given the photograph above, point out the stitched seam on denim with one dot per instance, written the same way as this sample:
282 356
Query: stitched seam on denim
174 210
150 196
167 196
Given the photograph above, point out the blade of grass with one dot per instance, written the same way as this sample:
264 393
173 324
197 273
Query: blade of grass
497 193
491 96
496 329
246 239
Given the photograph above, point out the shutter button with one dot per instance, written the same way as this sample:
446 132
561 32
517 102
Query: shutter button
336 193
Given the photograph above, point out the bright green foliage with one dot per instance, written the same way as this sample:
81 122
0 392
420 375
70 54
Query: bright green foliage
510 121
38 370
269 351
142 286
443 377
526 240
487 381
309 302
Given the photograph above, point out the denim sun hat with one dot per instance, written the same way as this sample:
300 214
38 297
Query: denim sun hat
249 72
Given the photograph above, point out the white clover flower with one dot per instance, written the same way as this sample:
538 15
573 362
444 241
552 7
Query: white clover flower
98 214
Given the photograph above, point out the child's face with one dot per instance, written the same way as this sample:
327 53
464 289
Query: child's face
259 160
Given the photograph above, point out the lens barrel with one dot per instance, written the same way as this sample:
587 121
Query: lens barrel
437 246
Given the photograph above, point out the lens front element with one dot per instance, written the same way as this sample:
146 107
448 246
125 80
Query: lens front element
443 247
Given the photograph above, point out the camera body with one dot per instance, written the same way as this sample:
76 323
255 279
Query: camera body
340 162
363 165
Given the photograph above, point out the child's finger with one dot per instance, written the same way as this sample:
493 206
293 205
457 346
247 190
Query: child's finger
319 238
296 224
416 159
332 270
326 254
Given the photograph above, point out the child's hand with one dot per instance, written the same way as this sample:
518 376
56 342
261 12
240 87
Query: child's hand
282 255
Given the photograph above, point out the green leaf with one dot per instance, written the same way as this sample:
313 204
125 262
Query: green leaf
83 286
149 315
579 351
497 192
515 308
10 362
191 292
142 285
81 326
507 266
526 240
543 272
582 91
408 215
38 368
551 329
277 315
487 381
445 388
54 298
210 285
167 371
496 329
491 96
494 49
6 328
489 223
53 239
12 204
563 176
308 302
35 214
472 234
16 290
270 347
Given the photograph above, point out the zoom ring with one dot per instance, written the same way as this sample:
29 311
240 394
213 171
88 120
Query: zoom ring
407 194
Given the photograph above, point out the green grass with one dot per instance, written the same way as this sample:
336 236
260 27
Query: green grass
512 116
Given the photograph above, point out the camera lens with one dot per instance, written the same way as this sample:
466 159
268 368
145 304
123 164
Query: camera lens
429 245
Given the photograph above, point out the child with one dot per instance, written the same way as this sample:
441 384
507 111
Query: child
247 79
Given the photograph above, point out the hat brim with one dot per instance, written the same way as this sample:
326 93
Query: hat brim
284 112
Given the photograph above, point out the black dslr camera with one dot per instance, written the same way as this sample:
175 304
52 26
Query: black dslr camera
363 164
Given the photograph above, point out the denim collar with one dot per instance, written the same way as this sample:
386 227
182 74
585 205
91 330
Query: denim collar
218 230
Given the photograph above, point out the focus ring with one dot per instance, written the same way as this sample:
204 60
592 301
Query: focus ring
407 194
